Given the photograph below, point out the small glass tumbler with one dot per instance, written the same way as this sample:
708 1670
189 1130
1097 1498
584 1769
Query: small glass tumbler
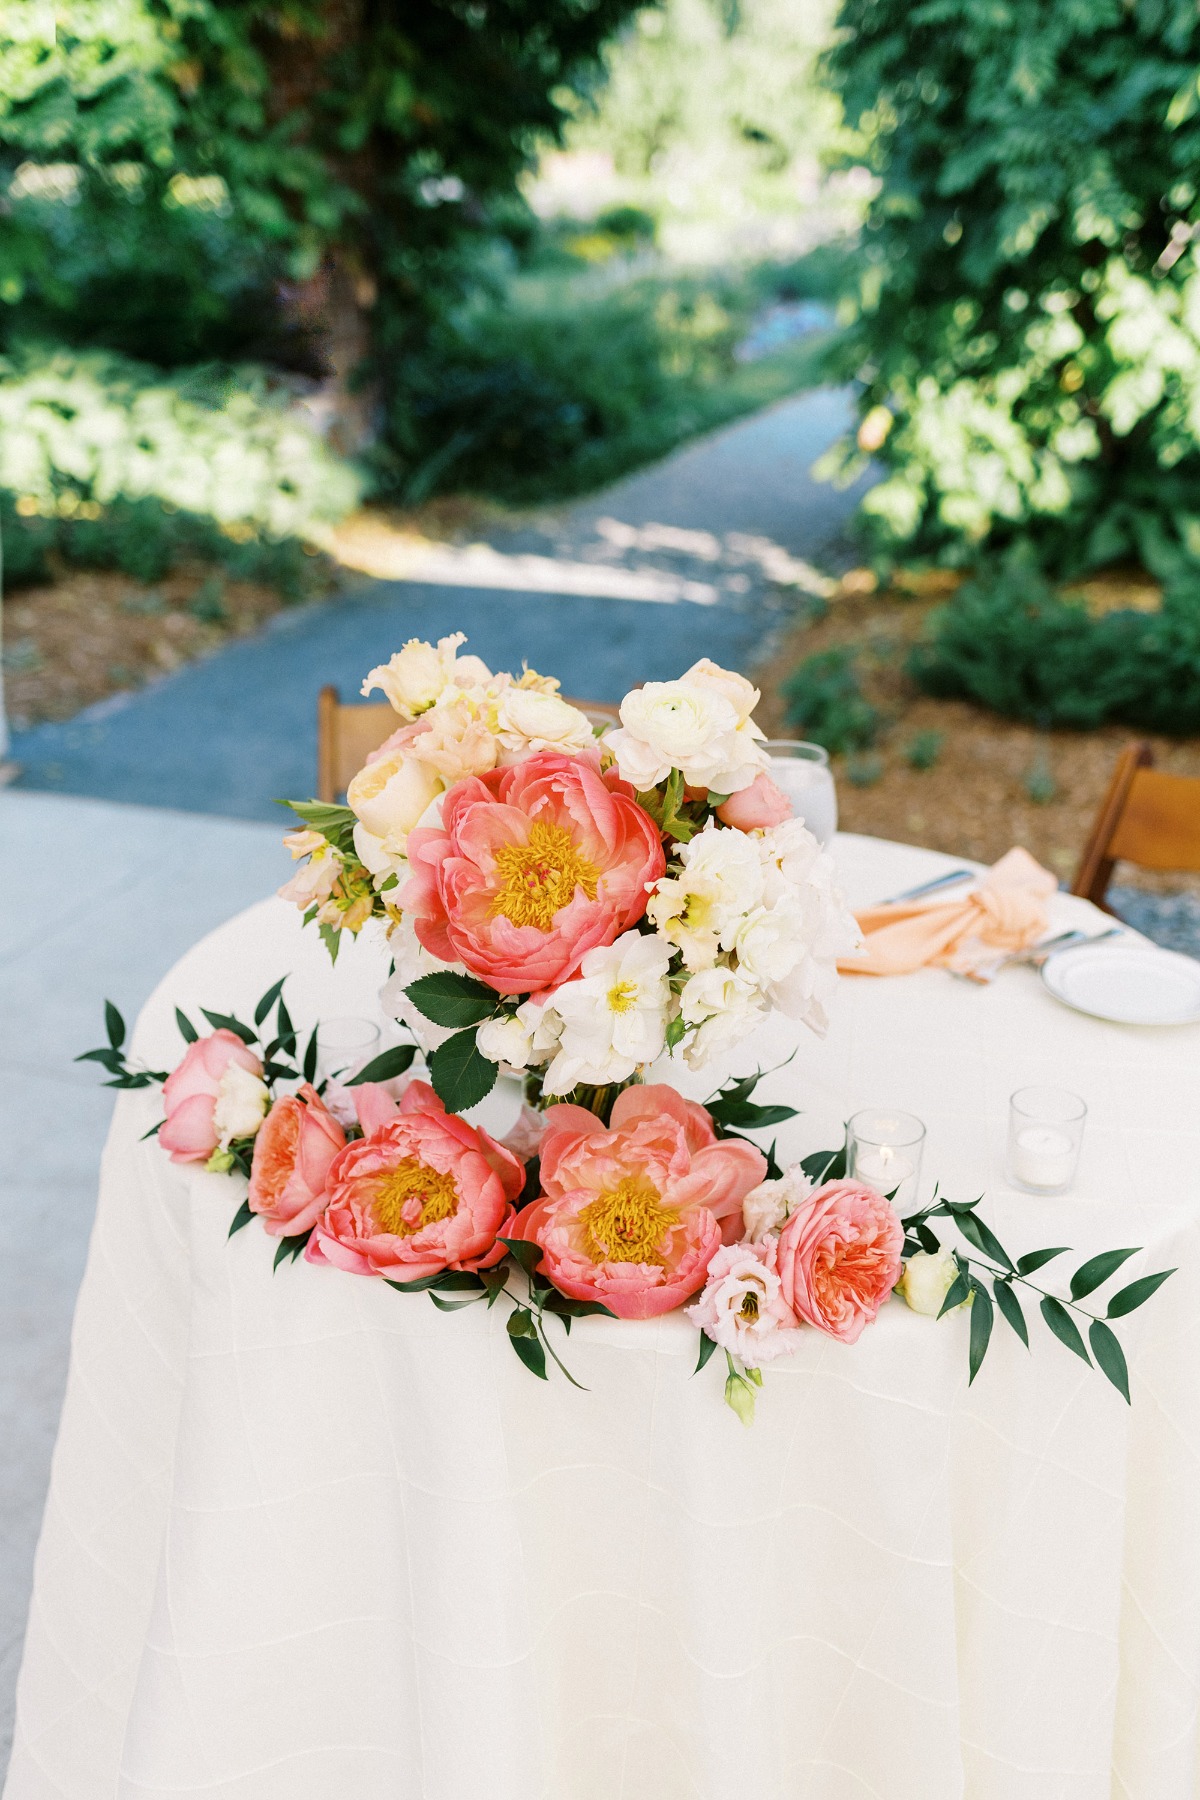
802 772
1045 1131
344 1046
883 1150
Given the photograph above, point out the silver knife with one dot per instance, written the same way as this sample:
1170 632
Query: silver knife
951 879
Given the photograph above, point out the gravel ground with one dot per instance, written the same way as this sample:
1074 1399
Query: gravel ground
1172 920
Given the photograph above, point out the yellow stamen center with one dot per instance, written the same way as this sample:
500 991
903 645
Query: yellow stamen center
540 877
628 1224
622 996
410 1196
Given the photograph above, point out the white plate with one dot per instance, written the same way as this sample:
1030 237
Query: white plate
1131 984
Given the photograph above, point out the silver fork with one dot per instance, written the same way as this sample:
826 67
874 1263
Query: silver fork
1036 954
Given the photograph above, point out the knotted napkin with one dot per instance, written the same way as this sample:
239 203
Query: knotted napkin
1007 910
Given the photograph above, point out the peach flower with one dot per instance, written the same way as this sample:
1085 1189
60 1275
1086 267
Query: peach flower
422 1192
839 1258
533 867
191 1131
631 1214
757 807
292 1155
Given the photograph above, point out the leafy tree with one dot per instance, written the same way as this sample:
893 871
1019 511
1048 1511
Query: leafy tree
1028 329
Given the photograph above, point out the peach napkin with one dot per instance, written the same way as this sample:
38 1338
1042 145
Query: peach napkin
1007 910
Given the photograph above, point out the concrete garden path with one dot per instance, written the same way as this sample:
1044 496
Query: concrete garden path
703 554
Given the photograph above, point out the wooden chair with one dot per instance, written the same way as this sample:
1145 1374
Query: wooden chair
348 732
1146 817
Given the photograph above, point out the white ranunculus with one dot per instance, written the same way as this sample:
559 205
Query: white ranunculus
241 1104
613 1016
927 1279
505 1041
389 795
769 1206
742 695
418 675
694 728
531 720
724 1008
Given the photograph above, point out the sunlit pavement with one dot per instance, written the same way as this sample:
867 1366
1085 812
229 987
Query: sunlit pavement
99 901
705 554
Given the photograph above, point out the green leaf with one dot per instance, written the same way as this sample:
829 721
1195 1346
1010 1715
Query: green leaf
565 1308
825 1165
981 1328
461 1077
1110 1358
1095 1272
533 1183
928 1240
187 1030
1010 1306
527 1256
277 1071
1136 1293
1063 1326
744 1115
268 1000
957 1292
985 1240
241 1217
676 1032
453 1000
531 1354
455 1305
310 1057
707 1346
1036 1259
290 1247
458 1281
114 1024
285 1029
153 1131
335 823
109 1059
331 939
226 1022
384 1067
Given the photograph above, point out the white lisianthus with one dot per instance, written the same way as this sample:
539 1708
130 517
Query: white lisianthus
769 1206
692 727
926 1280
241 1104
613 1016
742 1307
531 720
505 1041
723 1007
418 675
700 908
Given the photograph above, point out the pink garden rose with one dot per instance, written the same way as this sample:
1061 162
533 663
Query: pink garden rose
631 1214
757 807
190 1094
422 1192
293 1152
533 867
839 1258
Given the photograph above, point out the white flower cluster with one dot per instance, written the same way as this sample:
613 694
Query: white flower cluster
701 725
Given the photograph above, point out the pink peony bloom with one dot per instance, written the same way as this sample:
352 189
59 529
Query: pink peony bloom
292 1155
423 1192
190 1094
742 1307
839 1258
534 866
757 807
630 1215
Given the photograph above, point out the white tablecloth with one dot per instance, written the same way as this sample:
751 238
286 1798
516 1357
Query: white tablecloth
309 1539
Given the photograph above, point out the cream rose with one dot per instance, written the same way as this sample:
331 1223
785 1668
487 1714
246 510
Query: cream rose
240 1106
415 677
388 797
926 1281
530 720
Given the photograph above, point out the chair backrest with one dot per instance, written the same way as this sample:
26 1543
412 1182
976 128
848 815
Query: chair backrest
1147 817
347 734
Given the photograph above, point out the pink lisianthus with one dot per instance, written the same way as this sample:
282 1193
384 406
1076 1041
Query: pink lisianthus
839 1258
742 1307
422 1192
631 1214
757 807
191 1131
292 1156
533 867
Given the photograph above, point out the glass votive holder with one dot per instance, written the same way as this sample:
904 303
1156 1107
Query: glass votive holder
883 1149
1045 1131
802 772
343 1046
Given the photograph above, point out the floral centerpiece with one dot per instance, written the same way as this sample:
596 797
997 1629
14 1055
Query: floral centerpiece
577 903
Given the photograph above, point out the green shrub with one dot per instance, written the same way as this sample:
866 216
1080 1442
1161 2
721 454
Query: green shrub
922 751
826 702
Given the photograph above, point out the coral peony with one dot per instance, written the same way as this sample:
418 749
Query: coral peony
533 867
839 1258
423 1192
631 1215
756 807
292 1155
206 1076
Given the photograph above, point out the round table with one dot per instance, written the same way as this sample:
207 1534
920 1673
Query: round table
311 1539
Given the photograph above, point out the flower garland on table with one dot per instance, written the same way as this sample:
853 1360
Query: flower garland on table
575 906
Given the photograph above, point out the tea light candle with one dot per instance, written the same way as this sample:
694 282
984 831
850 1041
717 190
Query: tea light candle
882 1168
1043 1157
883 1150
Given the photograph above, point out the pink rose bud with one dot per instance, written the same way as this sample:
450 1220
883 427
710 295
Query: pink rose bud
757 807
292 1155
190 1132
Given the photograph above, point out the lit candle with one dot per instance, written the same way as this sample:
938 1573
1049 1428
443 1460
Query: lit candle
882 1167
1043 1157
